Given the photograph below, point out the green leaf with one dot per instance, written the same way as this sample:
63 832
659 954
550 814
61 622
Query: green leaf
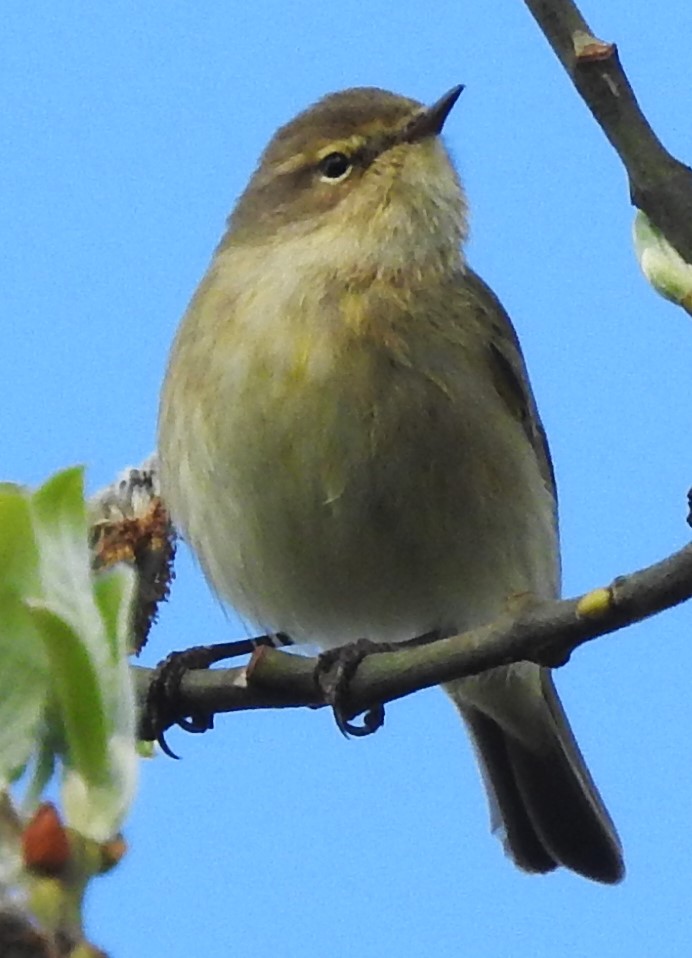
65 685
114 593
75 683
60 528
97 810
23 662
23 686
18 557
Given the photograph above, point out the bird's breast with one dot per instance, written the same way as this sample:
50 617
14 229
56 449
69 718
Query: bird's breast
343 477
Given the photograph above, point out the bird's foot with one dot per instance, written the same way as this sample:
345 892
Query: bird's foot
333 674
164 705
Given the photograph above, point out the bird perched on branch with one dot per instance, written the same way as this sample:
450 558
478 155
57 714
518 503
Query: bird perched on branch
349 442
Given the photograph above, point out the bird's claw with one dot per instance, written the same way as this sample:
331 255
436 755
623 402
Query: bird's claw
162 709
333 674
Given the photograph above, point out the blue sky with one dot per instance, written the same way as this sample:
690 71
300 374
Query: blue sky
128 130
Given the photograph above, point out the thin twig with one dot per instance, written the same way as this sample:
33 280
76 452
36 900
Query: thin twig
660 185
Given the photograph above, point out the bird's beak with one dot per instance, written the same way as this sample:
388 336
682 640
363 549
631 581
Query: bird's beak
430 122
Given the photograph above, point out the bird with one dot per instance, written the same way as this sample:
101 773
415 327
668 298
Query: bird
349 442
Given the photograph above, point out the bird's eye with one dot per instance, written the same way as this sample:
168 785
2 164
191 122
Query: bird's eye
334 166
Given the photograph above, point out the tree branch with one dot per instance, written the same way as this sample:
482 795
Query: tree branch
542 632
660 185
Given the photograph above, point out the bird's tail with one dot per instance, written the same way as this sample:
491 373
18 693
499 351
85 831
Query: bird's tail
543 801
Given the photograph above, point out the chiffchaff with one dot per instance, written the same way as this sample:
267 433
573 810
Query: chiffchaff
349 442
